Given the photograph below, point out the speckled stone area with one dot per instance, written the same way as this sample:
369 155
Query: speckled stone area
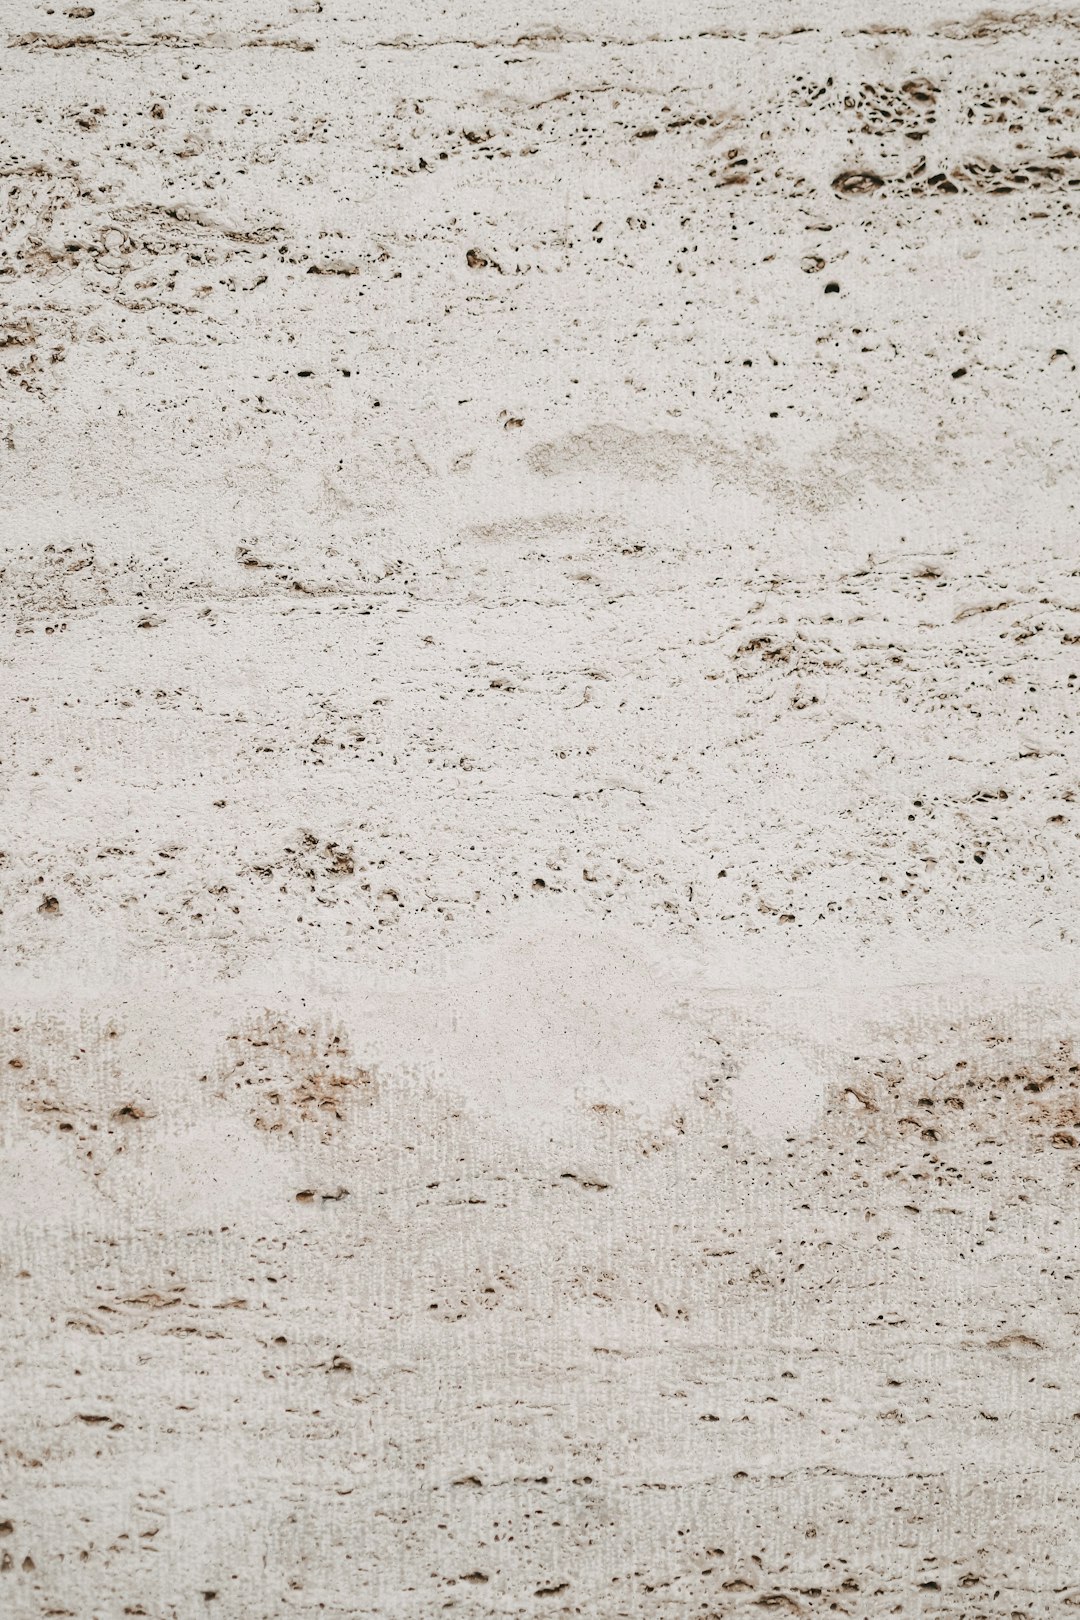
540 641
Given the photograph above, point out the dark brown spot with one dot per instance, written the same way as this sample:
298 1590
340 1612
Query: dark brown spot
856 182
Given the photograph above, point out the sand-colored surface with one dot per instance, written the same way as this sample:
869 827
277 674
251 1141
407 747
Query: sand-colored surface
541 651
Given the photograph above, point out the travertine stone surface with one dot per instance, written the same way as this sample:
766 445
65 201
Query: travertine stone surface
541 639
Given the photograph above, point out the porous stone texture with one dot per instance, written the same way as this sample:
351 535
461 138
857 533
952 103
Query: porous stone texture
541 636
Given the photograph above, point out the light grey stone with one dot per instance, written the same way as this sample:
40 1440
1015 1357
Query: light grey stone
541 637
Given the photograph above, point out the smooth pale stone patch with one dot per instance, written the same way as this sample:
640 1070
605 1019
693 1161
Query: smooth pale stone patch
546 1018
36 1183
217 1168
775 1093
